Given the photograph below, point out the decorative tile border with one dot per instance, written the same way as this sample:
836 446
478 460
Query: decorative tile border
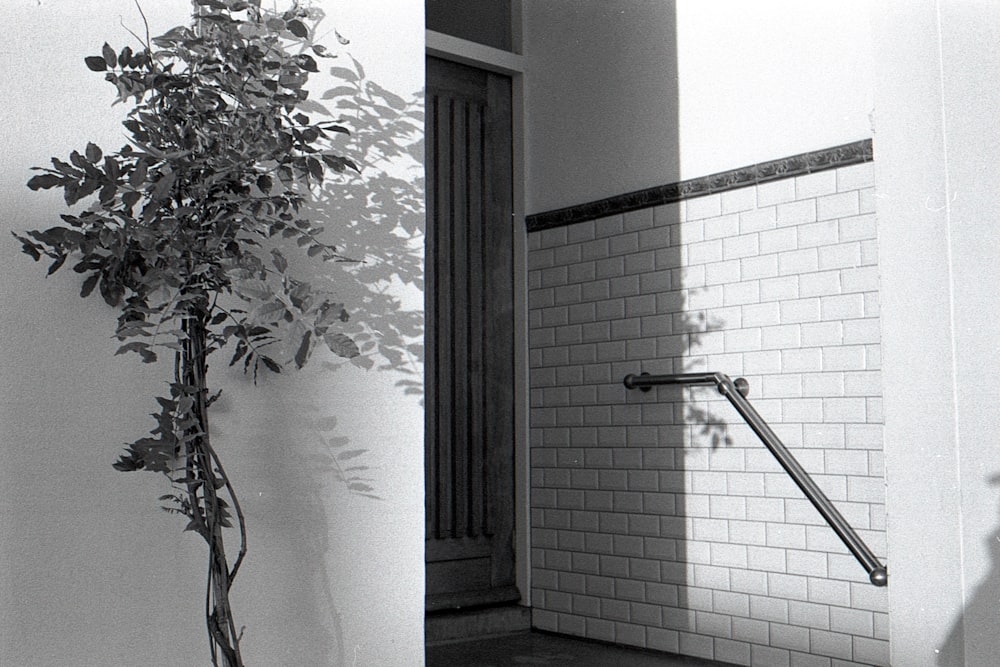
796 165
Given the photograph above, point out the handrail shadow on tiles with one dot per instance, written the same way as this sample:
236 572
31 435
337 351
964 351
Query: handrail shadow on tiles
735 392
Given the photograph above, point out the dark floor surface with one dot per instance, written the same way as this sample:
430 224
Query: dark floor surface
536 648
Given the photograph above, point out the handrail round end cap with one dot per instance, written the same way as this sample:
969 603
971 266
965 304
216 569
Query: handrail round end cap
742 386
879 576
629 382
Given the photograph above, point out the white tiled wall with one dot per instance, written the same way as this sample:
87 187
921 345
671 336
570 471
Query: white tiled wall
659 520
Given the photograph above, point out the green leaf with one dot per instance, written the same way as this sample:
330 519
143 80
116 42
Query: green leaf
302 355
110 57
265 183
93 152
125 57
342 345
297 28
96 63
129 200
308 63
44 181
56 264
89 284
279 260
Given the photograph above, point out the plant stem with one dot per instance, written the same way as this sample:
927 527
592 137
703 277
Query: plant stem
210 511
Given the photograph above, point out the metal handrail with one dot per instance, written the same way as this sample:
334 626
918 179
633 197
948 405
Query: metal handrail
736 392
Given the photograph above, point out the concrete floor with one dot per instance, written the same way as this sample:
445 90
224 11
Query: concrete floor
536 648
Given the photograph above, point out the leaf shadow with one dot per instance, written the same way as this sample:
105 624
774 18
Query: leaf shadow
377 217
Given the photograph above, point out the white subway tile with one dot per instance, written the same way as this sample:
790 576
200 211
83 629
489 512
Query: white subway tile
858 228
581 231
842 307
866 489
810 564
741 199
667 214
871 651
806 410
746 245
786 536
623 244
707 206
778 240
731 652
839 205
796 213
758 220
844 358
863 383
610 226
769 609
789 637
840 255
639 219
787 586
722 227
781 337
761 363
762 266
823 384
748 533
704 252
816 334
753 582
856 176
640 262
705 298
798 261
829 591
823 283
741 293
698 646
799 310
859 622
806 360
775 192
866 198
863 331
819 233
860 279
807 660
718 273
815 185
745 483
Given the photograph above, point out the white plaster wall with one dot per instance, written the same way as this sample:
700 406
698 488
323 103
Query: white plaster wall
767 79
628 94
91 571
936 174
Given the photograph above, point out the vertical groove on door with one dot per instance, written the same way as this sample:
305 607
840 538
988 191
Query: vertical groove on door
474 251
431 308
460 319
469 436
445 279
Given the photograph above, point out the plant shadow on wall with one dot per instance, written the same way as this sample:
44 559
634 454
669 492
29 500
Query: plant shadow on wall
976 624
190 231
693 426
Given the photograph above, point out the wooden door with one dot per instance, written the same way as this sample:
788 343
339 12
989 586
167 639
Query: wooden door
469 442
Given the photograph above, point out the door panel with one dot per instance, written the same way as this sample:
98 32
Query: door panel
469 446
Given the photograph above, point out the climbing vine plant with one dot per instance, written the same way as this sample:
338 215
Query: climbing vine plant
185 230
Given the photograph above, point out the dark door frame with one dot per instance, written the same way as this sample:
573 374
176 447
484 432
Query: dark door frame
457 50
